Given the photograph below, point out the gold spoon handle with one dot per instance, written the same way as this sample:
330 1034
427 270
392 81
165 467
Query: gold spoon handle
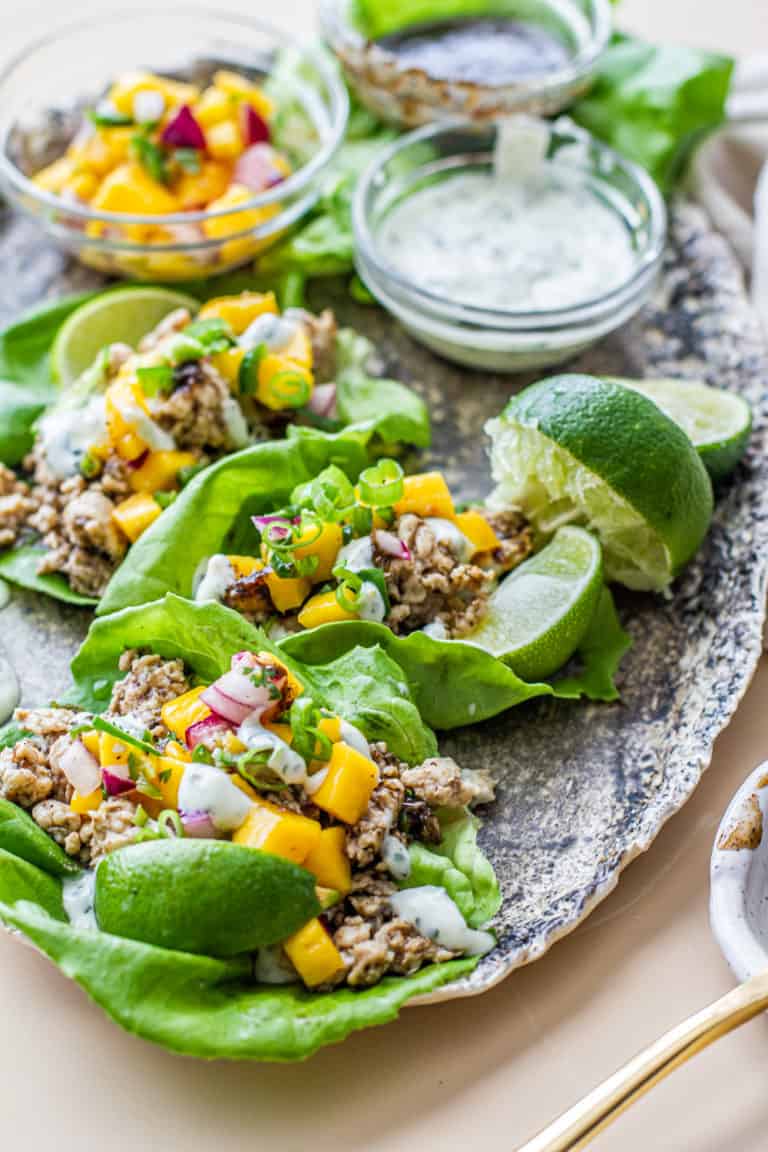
577 1127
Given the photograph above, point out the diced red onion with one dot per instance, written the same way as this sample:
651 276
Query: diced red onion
202 728
391 545
137 463
264 522
234 697
255 169
254 128
198 825
80 767
184 131
116 784
323 400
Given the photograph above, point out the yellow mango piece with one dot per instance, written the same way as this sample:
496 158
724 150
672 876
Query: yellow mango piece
330 726
113 752
326 548
239 311
224 140
328 860
130 446
159 472
243 566
91 742
233 744
227 364
56 175
174 92
272 829
123 400
426 495
197 189
134 515
213 106
184 711
323 608
299 348
347 787
233 84
82 185
129 188
83 804
169 771
478 531
104 150
237 221
177 751
288 592
294 684
282 731
281 382
313 954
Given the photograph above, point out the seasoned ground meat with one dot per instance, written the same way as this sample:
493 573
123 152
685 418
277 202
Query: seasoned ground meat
365 838
250 596
168 326
25 774
369 953
17 504
62 824
433 585
195 413
109 827
442 784
150 682
515 536
322 331
49 722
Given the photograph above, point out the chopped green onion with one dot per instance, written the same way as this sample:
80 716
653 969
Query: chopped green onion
169 824
188 159
188 473
147 788
90 466
201 755
108 119
102 725
183 348
155 378
307 739
361 520
348 591
382 484
306 565
164 499
141 816
289 389
248 375
213 333
150 156
329 494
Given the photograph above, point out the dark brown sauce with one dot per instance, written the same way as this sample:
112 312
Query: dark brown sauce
488 51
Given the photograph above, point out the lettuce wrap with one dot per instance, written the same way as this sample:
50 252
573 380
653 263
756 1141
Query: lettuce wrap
109 452
190 1002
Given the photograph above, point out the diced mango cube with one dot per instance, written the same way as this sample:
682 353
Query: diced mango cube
180 714
196 189
91 742
478 531
131 84
169 771
330 726
347 787
323 608
238 220
313 954
82 185
103 150
325 547
239 311
213 106
83 804
299 348
227 364
328 860
233 84
275 830
128 188
243 566
113 752
426 494
295 686
125 402
55 176
224 140
288 592
282 383
159 472
134 515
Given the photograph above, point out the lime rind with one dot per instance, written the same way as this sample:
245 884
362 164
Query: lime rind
542 610
555 489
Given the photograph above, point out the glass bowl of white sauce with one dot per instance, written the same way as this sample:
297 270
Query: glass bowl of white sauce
509 246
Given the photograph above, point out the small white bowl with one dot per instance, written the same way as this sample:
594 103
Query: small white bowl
738 905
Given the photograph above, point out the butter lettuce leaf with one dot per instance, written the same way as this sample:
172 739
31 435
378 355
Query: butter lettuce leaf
458 865
20 836
19 566
396 413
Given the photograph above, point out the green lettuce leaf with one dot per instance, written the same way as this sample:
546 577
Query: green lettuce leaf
600 652
22 881
458 865
20 836
19 566
397 414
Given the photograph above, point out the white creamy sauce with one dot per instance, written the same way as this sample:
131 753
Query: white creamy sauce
521 147
204 788
436 629
235 423
446 532
216 578
356 555
371 606
395 857
288 765
354 737
156 439
504 243
431 911
66 434
77 894
272 966
9 690
270 329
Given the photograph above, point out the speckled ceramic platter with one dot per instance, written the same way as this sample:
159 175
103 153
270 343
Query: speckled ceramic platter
583 789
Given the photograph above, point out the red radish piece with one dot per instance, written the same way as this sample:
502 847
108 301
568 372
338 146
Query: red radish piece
254 128
198 825
202 728
184 131
265 521
256 169
115 784
80 767
391 545
323 400
234 696
137 463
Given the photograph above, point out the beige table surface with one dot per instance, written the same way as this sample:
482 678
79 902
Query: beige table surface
484 1073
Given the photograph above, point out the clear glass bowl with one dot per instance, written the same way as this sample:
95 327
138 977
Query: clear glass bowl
42 96
411 96
494 339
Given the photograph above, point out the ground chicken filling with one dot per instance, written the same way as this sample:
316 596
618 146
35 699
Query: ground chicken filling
155 698
179 402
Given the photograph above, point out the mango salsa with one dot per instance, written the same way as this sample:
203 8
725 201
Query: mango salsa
313 954
347 787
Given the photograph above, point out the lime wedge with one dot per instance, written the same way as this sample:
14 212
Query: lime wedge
575 449
718 422
540 612
124 315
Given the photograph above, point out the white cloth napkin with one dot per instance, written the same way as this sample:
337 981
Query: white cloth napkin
730 176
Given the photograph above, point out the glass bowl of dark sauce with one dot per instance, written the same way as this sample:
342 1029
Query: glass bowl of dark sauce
499 59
